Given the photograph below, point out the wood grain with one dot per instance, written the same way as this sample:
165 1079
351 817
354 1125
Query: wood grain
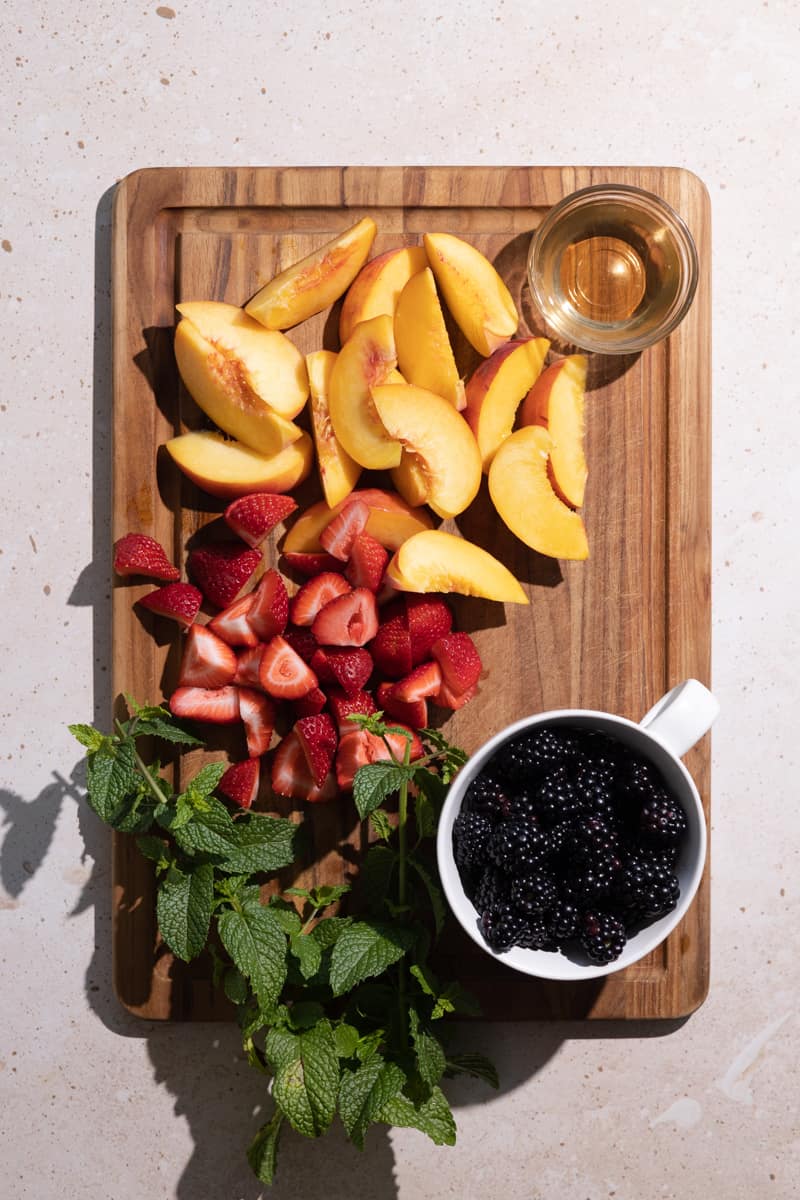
613 633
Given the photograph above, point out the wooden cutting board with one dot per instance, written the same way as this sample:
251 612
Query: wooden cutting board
612 633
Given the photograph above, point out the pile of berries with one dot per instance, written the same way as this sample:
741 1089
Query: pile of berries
568 839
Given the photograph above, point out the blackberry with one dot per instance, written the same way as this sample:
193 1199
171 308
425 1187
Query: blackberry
523 804
529 756
489 890
642 777
518 843
602 936
534 935
562 921
603 754
517 763
592 883
662 819
486 795
501 926
537 850
595 793
556 798
472 832
591 837
533 893
647 889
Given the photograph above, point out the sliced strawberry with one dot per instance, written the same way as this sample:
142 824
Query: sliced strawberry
349 620
138 554
291 775
339 534
311 564
315 594
248 663
309 705
318 738
320 666
207 661
258 714
422 682
283 673
398 743
446 698
415 714
429 618
217 706
343 705
391 648
350 668
222 570
458 657
360 747
232 624
179 601
367 563
253 517
270 610
303 641
240 782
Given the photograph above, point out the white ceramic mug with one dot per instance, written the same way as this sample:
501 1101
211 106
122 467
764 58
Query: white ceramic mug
665 733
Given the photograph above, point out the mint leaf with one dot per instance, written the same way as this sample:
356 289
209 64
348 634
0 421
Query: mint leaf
380 823
329 930
257 945
432 1116
475 1065
110 776
158 727
156 850
455 998
183 909
434 892
306 1076
285 914
431 1060
375 781
376 874
203 784
262 1153
307 952
328 893
235 986
305 1013
367 948
261 843
208 832
364 1092
88 736
346 1038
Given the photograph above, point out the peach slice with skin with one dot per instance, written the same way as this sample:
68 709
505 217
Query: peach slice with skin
411 479
523 496
436 561
424 353
338 472
557 401
316 281
479 301
391 521
366 358
272 365
229 469
498 387
444 444
377 287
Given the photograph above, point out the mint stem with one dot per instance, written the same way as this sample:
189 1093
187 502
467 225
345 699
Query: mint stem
143 768
402 818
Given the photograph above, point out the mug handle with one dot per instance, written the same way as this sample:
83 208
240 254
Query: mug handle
680 718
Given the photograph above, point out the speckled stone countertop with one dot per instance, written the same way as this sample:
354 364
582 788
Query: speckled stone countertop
99 1106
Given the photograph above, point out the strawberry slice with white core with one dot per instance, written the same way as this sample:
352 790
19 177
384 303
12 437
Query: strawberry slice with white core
291 775
240 782
459 660
339 534
314 595
222 570
253 517
178 601
270 611
248 663
138 554
232 624
446 698
207 661
342 706
309 705
283 674
216 706
318 738
310 564
367 564
258 714
423 681
349 620
428 618
414 714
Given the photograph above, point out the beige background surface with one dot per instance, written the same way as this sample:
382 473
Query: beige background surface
97 1106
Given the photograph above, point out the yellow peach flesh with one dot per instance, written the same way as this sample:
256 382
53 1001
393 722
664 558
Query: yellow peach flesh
229 469
479 301
377 287
441 562
498 387
557 402
338 472
366 358
424 353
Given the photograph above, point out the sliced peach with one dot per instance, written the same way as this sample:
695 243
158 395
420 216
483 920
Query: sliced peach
441 562
219 385
229 469
367 357
338 472
411 479
479 301
271 364
391 521
378 285
522 494
424 353
441 439
316 281
556 401
498 387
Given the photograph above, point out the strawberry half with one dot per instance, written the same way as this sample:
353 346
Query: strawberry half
350 668
459 660
270 610
258 714
309 705
314 595
339 534
367 563
320 666
343 705
232 624
138 554
414 714
349 620
248 663
391 648
423 681
428 619
360 747
179 601
446 698
318 738
217 706
303 641
207 661
291 776
311 564
240 782
253 517
283 673
222 570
